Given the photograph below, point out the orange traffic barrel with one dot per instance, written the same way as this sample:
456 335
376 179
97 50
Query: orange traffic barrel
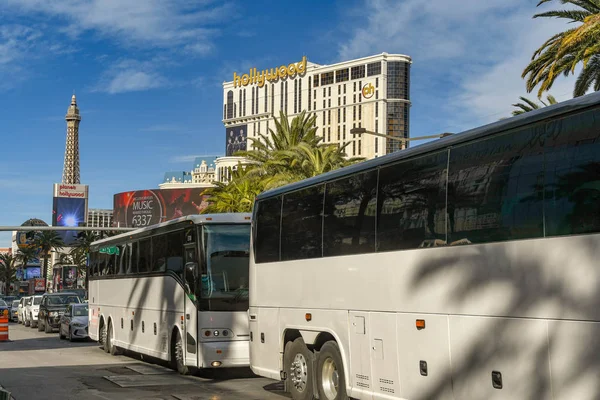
4 326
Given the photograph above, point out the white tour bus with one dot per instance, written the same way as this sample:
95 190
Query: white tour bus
463 268
177 291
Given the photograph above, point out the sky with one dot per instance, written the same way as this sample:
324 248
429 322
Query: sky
148 76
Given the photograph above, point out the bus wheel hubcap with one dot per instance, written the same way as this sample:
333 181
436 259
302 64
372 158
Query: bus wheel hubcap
330 378
179 352
299 372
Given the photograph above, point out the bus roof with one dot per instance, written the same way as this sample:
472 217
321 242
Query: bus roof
224 218
430 147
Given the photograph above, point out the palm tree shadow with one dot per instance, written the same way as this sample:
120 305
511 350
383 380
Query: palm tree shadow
528 293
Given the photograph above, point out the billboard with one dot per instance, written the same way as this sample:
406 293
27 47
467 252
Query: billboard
64 277
148 207
69 208
235 140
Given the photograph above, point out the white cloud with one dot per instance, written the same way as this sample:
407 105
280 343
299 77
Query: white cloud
149 23
131 76
467 56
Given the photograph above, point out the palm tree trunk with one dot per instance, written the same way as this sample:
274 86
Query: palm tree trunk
45 273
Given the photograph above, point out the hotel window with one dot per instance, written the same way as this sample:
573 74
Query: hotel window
224 111
315 94
344 131
344 114
359 147
273 98
309 97
359 96
281 96
397 80
341 75
324 103
327 78
354 98
285 106
357 72
353 148
339 90
299 95
339 116
315 105
353 113
324 120
252 101
354 87
266 98
240 101
256 108
329 134
230 104
376 94
324 92
316 80
376 82
243 110
328 102
344 100
344 88
374 68
338 135
328 117
295 96
329 91
376 110
339 101
359 111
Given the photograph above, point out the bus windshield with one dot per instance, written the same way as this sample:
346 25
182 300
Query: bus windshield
224 277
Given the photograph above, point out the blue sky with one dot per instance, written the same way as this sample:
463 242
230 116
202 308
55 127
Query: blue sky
148 76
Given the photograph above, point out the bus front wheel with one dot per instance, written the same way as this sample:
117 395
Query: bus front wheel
331 382
298 363
178 355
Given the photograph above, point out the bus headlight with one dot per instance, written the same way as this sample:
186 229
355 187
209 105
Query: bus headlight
225 332
216 333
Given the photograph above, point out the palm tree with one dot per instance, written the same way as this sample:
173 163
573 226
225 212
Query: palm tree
8 272
529 105
237 195
47 241
564 51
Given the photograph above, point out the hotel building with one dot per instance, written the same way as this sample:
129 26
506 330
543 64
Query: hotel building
370 93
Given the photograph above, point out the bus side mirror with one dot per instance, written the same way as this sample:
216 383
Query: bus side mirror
191 272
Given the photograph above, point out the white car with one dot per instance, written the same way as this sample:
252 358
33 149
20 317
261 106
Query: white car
31 311
22 305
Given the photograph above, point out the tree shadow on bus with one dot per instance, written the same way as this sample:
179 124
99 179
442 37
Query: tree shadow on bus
525 305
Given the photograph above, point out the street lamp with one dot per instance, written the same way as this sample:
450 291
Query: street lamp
363 130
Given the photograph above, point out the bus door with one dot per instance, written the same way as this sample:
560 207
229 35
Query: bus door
191 309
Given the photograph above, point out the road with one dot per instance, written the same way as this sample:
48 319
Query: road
35 365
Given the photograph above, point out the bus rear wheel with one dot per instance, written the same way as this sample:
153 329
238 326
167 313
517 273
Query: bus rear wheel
298 363
331 382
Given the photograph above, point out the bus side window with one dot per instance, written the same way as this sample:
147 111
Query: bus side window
145 256
133 255
159 253
175 252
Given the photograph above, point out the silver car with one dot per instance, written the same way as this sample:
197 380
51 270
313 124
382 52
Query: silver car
74 322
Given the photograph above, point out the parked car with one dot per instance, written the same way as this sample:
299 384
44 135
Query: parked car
21 310
25 310
14 310
31 311
74 323
53 306
3 307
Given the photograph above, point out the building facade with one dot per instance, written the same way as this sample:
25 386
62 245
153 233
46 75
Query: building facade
99 218
371 93
206 171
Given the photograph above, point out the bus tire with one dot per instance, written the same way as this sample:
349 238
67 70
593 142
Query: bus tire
331 381
298 362
177 354
105 338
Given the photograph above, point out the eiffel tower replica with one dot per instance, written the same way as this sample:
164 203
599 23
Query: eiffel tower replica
71 165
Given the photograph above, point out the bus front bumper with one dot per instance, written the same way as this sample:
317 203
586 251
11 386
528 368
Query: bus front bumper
228 354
